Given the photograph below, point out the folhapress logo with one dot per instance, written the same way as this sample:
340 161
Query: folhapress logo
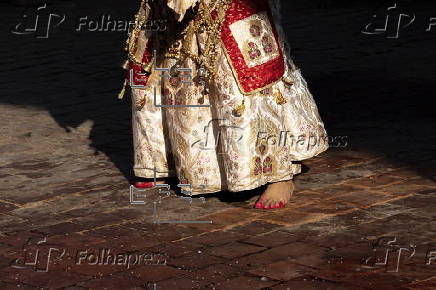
39 22
38 256
42 21
393 22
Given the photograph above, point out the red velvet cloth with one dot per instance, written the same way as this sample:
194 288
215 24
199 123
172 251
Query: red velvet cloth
258 76
138 76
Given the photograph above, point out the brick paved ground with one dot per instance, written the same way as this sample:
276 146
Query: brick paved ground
66 154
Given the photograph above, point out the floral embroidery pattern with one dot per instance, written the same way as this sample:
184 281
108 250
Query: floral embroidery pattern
257 166
266 92
255 30
255 64
262 165
267 165
253 50
260 46
267 44
175 81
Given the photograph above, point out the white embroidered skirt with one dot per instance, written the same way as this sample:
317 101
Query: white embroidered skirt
208 145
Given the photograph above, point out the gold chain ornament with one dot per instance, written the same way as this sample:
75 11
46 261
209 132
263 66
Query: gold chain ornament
206 61
204 23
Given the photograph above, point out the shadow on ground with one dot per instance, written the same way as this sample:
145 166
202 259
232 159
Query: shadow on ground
377 91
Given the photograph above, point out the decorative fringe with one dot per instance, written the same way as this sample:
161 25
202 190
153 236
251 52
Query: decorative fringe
125 65
288 81
280 100
239 110
123 90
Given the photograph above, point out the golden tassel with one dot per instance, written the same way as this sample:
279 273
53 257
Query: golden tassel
123 90
280 100
288 81
125 65
239 110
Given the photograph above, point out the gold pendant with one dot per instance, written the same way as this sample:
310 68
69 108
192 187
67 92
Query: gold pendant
280 100
239 110
288 82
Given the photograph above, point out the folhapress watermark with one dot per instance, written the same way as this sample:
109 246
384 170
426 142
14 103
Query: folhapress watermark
44 20
39 22
301 142
41 255
389 254
394 21
107 23
105 257
138 196
216 140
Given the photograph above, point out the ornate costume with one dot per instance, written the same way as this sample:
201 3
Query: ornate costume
216 98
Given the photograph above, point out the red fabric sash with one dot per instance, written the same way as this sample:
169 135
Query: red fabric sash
257 77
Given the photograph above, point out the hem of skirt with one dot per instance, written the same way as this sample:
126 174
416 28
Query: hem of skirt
320 151
288 176
148 173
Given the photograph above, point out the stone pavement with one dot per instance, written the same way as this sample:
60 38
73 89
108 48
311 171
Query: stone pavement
65 210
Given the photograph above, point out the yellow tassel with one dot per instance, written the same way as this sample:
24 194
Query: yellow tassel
288 81
239 110
125 65
280 100
147 67
123 90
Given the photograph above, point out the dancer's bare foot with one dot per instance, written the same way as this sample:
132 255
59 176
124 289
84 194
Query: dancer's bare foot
276 195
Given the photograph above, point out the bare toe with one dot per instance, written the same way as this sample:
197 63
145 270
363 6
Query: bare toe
267 203
276 195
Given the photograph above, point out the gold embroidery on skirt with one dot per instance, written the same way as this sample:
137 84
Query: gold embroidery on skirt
239 110
280 100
